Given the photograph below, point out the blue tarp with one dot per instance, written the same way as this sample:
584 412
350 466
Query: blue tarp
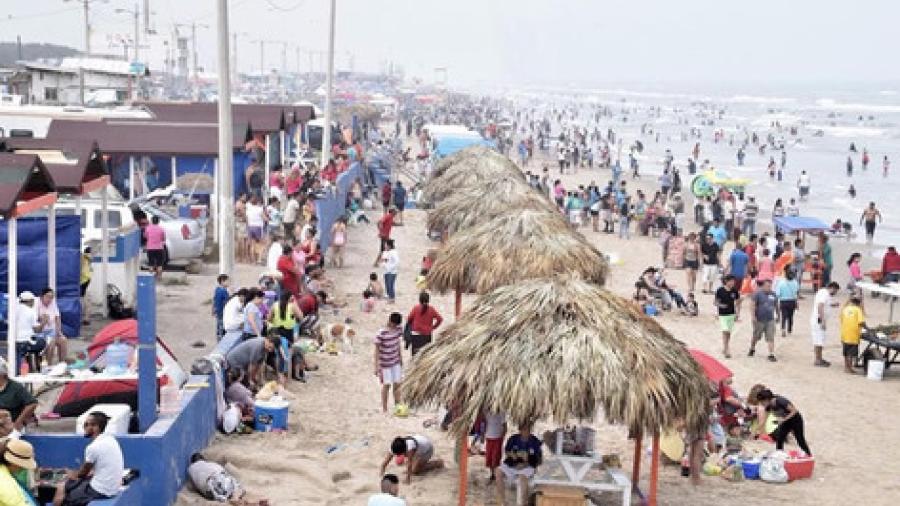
32 265
447 145
184 165
329 209
791 224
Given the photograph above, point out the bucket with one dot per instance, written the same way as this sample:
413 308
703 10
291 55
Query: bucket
270 415
875 370
798 469
751 469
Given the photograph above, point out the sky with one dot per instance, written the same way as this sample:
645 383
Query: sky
525 42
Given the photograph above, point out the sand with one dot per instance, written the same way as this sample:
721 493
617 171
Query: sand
850 421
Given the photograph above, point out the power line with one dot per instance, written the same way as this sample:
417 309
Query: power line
279 8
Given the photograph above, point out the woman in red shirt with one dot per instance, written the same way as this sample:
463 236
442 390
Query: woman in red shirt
421 321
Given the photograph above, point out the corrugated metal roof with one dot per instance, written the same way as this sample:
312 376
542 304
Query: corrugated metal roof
263 118
146 137
21 176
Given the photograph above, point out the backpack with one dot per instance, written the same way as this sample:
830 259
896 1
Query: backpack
115 304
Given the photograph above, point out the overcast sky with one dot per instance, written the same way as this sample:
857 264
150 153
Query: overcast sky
588 42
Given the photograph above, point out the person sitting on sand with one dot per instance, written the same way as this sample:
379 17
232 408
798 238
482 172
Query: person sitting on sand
375 286
213 482
523 456
390 489
417 452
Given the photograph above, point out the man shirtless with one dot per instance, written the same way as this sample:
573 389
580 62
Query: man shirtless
871 216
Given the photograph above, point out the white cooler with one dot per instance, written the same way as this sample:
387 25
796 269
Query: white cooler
119 416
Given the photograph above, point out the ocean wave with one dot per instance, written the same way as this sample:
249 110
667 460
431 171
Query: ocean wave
751 99
887 93
834 105
847 131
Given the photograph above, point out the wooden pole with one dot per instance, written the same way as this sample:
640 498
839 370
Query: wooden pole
464 441
654 471
636 463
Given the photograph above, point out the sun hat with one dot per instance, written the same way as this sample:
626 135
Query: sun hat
26 296
20 453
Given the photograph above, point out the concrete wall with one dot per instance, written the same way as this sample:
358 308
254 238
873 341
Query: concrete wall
69 85
161 455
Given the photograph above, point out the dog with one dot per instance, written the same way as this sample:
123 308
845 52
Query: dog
339 336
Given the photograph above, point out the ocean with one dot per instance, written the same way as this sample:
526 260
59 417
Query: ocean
827 121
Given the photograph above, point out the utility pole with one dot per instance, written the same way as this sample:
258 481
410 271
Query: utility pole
225 197
284 68
262 57
194 51
329 82
137 33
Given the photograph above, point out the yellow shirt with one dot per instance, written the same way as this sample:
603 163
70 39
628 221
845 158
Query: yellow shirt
11 493
851 319
85 268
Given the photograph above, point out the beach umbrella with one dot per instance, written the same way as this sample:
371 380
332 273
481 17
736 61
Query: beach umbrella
519 244
714 370
468 171
563 349
467 155
471 205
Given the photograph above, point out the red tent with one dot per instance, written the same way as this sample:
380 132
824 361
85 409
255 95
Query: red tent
714 370
76 398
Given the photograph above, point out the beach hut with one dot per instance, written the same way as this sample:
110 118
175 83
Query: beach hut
470 205
520 244
25 188
562 349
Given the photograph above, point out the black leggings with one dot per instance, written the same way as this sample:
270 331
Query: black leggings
787 314
795 425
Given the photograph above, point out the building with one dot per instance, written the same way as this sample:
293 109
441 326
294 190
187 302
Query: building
106 81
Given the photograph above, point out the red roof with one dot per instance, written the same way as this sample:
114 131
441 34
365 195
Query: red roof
263 118
146 137
68 178
23 178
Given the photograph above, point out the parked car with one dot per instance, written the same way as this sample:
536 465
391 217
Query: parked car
185 237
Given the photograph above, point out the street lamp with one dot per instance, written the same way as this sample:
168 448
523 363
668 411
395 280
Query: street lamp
137 27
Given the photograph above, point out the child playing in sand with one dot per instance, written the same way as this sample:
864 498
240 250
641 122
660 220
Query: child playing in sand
388 360
690 306
375 286
417 452
368 301
734 443
422 280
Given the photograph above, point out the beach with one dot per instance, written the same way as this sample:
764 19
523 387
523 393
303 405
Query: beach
847 420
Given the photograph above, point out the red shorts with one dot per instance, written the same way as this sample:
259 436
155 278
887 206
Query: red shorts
493 452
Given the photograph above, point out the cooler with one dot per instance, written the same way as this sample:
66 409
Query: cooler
270 415
119 418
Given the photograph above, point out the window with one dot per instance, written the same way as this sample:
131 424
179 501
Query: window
51 94
115 219
121 96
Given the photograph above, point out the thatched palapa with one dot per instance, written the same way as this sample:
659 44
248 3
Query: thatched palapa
477 167
560 349
517 245
469 206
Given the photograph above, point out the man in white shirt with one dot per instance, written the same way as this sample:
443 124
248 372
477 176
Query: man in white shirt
289 218
821 311
233 312
390 487
390 261
29 341
100 476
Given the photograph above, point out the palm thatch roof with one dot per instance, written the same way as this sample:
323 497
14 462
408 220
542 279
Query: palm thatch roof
471 205
467 155
563 349
516 245
470 166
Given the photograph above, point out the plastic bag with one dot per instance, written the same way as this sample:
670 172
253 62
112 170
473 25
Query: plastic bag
772 470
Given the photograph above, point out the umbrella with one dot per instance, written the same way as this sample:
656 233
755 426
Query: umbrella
714 370
564 349
469 206
517 245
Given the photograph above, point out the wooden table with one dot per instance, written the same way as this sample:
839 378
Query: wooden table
583 472
891 290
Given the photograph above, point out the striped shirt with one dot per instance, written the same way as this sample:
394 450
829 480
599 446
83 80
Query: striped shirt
387 341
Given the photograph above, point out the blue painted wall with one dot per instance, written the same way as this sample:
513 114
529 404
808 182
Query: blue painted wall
161 455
